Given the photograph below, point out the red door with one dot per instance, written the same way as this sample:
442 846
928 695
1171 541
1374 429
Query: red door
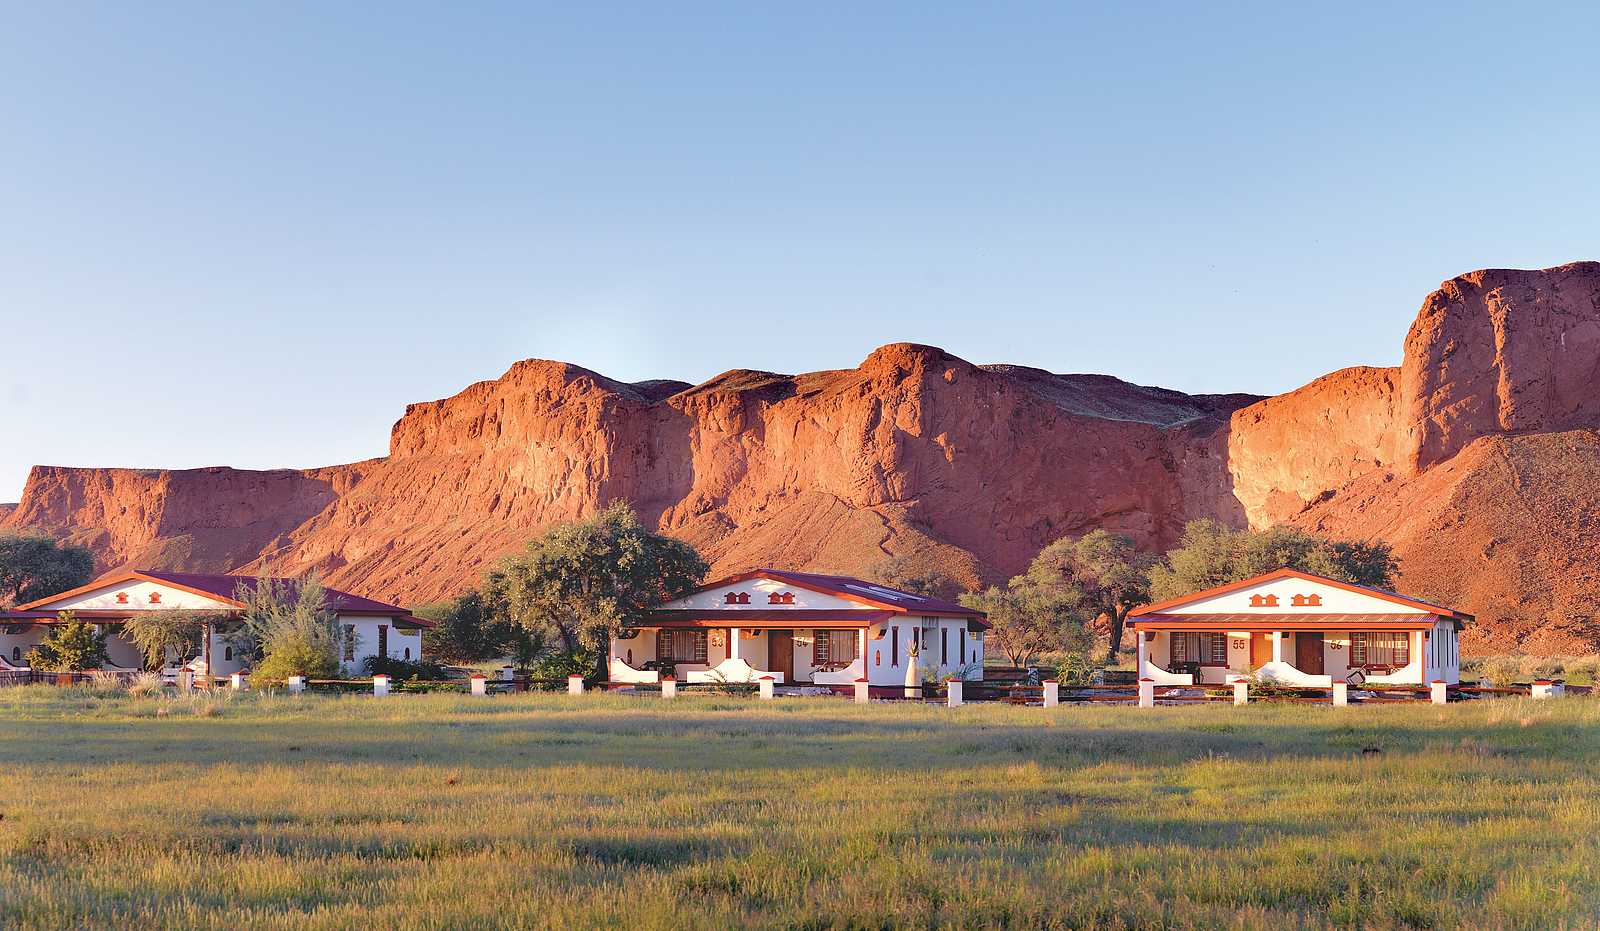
1308 651
780 653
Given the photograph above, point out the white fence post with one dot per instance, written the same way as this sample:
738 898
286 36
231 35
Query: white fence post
1052 693
669 687
1542 688
574 685
766 687
236 681
1147 693
1341 694
1438 689
186 680
952 693
380 685
1241 692
508 672
297 684
480 685
862 696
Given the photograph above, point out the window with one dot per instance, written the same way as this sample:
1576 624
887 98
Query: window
963 645
944 647
894 645
227 653
16 654
383 639
1207 649
681 646
349 642
833 648
1379 649
408 653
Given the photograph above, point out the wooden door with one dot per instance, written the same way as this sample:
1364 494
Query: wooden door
1308 652
780 653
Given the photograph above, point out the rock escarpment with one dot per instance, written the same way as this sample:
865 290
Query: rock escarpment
1476 458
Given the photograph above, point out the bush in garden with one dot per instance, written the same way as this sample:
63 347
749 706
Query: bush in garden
69 646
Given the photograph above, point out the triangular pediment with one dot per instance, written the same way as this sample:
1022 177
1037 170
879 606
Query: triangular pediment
1292 592
132 593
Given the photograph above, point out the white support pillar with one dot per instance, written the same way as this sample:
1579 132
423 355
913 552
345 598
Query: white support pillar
1543 688
1143 650
380 685
1052 693
236 682
766 687
297 684
1341 693
508 672
733 643
574 684
1419 656
480 685
862 696
186 680
1241 692
1277 645
952 692
1147 693
1438 690
669 687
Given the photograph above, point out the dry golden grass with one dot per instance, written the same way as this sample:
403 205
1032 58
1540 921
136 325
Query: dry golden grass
442 811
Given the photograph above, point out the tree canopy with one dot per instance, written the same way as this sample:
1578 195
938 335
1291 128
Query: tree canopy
1210 554
908 575
581 583
1102 572
466 630
34 567
1028 619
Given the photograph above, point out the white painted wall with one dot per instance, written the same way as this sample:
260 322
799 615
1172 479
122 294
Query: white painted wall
366 644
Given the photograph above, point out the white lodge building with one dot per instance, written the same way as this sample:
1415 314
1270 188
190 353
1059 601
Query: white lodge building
1300 629
371 628
801 628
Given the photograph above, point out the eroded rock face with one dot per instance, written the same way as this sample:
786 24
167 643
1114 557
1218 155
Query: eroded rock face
1288 451
915 452
1477 459
1501 351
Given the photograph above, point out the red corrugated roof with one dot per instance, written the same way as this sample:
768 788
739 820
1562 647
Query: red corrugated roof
228 586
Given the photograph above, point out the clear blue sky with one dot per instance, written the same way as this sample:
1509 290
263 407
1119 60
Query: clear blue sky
250 234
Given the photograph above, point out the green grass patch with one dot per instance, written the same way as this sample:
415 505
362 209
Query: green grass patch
446 811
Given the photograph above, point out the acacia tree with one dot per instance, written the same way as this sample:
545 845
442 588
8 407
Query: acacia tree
1103 570
581 583
1210 554
1027 619
907 575
34 567
467 630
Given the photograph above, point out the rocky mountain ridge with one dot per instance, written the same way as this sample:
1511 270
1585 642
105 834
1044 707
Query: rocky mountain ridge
1476 458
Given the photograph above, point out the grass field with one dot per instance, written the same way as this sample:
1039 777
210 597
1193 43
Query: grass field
446 811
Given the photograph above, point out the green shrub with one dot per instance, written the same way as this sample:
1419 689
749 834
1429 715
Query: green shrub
404 669
1501 670
291 656
69 646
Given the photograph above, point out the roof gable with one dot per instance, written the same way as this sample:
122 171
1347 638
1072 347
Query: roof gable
811 591
1287 591
186 591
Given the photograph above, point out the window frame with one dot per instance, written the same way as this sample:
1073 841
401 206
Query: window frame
1202 649
1361 642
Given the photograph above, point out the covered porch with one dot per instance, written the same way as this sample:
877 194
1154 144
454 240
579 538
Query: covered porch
786 649
1308 654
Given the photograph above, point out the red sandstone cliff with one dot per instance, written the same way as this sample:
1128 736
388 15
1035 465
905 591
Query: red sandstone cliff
1476 459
